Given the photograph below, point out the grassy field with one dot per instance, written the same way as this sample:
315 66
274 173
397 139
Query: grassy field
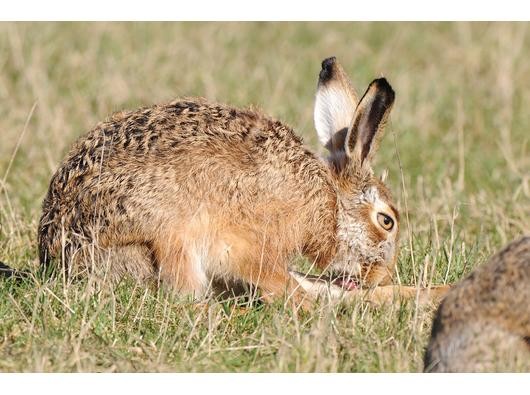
457 151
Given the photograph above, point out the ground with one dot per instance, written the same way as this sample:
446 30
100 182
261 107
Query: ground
457 152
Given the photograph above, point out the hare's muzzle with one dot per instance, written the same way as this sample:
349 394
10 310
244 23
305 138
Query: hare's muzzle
347 283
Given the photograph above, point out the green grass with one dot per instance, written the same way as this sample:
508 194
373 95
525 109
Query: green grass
460 126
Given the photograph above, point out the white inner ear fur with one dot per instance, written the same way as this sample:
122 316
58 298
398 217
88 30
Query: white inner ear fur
334 111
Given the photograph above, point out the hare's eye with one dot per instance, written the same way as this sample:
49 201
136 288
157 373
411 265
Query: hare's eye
385 221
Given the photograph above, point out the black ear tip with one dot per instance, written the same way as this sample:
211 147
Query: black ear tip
382 85
327 69
328 62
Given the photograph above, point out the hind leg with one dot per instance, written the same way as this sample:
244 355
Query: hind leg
113 263
132 260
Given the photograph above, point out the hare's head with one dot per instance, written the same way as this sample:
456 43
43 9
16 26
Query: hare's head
368 221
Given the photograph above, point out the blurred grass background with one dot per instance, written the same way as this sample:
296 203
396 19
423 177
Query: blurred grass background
457 150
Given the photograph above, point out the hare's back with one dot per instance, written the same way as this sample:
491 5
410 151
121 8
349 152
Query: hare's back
185 149
167 132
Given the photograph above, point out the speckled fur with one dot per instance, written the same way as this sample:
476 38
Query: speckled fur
483 324
189 192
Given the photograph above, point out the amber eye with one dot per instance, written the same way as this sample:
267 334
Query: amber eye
385 221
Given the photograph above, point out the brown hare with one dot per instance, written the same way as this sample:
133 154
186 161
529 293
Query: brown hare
191 193
483 324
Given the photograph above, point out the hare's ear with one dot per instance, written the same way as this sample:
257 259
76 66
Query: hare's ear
335 104
369 121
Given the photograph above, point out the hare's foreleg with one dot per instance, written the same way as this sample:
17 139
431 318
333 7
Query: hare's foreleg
280 285
179 268
319 287
272 278
392 293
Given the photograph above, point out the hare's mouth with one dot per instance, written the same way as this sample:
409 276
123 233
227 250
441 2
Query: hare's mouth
345 281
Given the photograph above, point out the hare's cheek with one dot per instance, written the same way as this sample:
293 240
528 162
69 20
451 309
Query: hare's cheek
388 250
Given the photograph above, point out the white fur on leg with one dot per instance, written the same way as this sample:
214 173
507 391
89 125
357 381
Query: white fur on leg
318 288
